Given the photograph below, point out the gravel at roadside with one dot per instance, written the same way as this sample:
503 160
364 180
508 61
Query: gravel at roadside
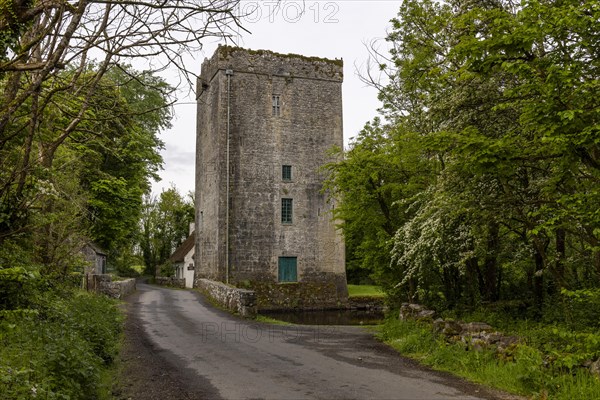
144 374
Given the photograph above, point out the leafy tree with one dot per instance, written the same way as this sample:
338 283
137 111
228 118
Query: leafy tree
381 168
61 83
164 226
120 163
549 50
91 186
497 100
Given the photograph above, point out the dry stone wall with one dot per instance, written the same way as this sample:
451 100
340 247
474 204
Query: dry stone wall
170 281
475 336
102 283
237 300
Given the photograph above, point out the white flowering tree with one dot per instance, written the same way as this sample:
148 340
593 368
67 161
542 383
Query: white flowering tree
499 100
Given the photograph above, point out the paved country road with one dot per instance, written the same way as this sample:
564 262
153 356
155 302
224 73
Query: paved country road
180 347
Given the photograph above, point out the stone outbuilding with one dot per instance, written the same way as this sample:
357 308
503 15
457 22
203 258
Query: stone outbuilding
266 123
95 259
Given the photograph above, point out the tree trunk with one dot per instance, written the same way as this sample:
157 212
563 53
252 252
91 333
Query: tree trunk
473 280
412 291
491 262
538 282
559 268
597 264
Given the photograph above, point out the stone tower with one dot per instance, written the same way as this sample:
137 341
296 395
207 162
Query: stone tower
266 122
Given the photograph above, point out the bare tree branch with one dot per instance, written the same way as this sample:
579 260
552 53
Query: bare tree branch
51 48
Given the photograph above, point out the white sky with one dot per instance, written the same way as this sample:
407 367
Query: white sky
330 29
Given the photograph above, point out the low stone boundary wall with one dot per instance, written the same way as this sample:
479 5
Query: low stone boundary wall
104 284
369 303
233 299
172 282
475 335
320 292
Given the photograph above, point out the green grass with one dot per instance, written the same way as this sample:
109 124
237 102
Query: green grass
268 320
117 278
108 380
138 268
524 372
365 291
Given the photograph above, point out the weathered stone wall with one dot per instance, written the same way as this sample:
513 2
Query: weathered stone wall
211 133
102 283
269 63
94 261
233 299
309 124
371 303
478 336
170 281
474 335
119 289
327 293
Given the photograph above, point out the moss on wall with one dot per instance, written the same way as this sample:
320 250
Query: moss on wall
298 295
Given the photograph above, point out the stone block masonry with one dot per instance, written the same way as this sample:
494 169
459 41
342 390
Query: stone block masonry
170 281
102 283
266 125
237 300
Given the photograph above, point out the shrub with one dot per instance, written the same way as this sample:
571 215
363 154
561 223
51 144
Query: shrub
582 308
57 348
167 270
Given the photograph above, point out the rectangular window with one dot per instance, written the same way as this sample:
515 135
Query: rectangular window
286 211
286 172
276 106
288 269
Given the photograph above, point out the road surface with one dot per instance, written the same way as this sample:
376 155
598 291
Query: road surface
206 353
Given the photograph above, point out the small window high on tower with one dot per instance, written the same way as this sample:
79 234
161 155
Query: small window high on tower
276 106
286 211
286 172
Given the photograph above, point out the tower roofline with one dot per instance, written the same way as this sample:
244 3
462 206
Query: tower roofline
226 50
267 62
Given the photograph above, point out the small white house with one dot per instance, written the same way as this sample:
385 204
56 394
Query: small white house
183 260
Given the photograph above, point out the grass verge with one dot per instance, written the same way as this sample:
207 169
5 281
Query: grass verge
365 291
109 379
268 320
525 371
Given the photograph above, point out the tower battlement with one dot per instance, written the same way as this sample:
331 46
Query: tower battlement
269 63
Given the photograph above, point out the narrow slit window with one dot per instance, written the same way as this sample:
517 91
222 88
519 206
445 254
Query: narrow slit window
286 172
276 106
286 211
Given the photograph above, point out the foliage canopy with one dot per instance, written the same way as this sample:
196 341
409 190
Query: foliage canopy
484 184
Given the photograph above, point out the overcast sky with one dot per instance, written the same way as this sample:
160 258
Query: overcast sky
330 29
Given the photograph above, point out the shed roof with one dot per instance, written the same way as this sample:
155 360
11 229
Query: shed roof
96 248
